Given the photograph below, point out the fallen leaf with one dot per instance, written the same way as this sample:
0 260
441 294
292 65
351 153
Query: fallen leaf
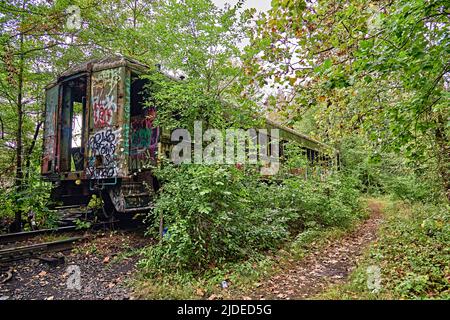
42 273
200 292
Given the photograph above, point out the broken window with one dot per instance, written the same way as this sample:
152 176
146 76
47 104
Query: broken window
73 115
76 163
137 95
144 136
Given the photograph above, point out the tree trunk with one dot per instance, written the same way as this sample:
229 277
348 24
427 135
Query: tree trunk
30 150
19 141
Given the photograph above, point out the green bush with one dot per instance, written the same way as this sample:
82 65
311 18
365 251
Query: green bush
217 214
412 252
209 216
410 187
34 197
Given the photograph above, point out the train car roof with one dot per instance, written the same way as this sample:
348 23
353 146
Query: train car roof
116 60
109 62
306 141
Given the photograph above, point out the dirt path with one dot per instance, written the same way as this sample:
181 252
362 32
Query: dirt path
324 267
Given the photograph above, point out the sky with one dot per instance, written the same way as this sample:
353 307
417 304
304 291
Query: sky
260 5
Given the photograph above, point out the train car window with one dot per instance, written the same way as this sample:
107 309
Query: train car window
282 147
73 115
77 158
137 95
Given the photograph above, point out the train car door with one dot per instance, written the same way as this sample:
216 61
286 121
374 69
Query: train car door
105 131
72 124
48 163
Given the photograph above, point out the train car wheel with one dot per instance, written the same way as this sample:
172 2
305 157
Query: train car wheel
108 211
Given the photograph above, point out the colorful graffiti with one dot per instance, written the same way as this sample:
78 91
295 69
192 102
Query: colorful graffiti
106 80
104 141
137 142
144 140
102 160
126 117
104 111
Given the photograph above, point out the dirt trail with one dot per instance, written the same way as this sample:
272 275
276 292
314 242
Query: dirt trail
324 267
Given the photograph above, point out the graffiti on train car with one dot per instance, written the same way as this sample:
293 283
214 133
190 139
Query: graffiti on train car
104 141
104 97
126 117
104 111
106 80
102 160
144 140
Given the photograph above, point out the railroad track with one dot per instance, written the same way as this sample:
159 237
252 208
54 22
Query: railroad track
21 236
28 251
24 251
22 245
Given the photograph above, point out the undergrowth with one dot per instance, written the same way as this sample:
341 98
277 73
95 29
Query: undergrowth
412 254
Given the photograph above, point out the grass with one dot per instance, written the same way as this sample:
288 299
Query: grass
412 252
54 237
241 276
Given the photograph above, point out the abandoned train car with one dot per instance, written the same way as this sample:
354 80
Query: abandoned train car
99 136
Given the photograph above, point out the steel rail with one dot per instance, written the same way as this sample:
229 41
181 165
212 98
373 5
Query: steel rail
23 252
20 236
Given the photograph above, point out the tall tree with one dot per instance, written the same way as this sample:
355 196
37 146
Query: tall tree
33 44
378 67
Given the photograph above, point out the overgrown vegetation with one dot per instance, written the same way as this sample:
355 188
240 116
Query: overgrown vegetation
216 214
33 201
226 223
412 253
383 173
370 78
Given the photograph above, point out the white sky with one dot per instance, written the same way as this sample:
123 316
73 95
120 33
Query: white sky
260 5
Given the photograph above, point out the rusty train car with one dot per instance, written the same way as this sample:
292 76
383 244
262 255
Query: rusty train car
99 137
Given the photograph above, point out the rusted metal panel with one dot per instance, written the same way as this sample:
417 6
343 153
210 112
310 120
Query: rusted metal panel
50 130
105 135
108 62
126 120
66 130
87 121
